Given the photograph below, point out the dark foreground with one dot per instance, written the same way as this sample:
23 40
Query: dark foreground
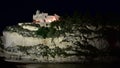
5 64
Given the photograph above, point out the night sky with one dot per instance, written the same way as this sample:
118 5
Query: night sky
12 12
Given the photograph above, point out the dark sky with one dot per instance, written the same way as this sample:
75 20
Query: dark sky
12 12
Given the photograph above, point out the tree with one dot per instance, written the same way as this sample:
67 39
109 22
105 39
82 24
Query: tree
43 31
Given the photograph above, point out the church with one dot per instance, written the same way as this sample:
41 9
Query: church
44 18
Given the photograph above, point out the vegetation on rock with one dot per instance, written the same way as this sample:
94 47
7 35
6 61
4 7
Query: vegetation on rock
86 28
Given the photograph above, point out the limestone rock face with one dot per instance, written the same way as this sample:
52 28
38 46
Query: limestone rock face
92 38
67 47
13 39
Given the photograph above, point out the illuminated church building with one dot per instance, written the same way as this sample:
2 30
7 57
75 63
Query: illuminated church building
43 19
39 18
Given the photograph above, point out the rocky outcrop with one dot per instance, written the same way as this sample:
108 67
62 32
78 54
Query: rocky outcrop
91 38
79 41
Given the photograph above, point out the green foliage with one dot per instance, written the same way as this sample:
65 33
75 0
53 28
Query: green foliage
41 50
84 31
51 32
47 32
24 49
43 32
